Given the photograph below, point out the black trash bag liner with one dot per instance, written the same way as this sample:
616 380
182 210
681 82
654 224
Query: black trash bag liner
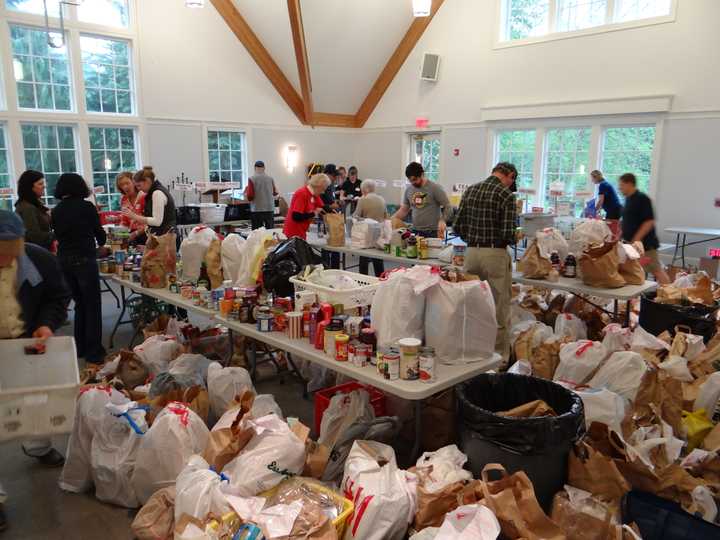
187 215
167 382
237 212
661 519
287 260
480 398
656 317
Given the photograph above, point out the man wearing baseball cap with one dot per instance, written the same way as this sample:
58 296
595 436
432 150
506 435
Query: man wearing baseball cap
261 193
34 300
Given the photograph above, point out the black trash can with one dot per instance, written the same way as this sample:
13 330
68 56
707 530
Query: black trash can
656 317
539 446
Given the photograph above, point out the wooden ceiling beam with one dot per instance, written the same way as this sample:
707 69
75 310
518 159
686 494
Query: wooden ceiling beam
237 23
403 50
333 120
301 57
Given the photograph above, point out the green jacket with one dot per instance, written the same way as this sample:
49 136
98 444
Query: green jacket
37 224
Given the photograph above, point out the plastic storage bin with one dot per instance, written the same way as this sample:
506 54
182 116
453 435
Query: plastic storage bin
349 298
37 392
212 213
322 399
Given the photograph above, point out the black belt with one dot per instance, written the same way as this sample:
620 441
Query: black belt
498 245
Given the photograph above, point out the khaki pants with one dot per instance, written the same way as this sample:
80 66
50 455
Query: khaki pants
494 265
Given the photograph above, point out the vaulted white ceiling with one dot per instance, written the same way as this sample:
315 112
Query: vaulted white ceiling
348 42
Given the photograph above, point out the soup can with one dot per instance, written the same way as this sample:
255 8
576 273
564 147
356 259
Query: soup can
458 256
426 364
294 326
341 347
391 364
362 354
409 348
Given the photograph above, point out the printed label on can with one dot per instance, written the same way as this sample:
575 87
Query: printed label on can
409 365
426 369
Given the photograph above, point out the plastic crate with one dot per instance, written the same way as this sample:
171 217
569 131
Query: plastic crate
37 392
347 505
212 213
322 399
355 297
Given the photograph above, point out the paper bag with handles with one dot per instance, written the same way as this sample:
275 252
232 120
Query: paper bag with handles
213 263
599 267
630 268
596 473
158 260
335 224
226 441
532 265
512 498
156 519
433 505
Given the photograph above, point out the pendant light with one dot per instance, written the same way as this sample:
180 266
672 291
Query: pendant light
421 8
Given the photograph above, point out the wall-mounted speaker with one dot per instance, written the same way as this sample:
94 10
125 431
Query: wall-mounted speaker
430 67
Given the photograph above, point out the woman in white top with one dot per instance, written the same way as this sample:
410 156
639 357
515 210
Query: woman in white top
371 206
159 212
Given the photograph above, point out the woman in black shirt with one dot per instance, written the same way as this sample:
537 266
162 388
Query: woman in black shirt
77 228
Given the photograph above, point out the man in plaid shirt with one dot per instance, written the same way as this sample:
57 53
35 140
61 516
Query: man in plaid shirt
486 221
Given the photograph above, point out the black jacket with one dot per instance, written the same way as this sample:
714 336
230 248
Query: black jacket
77 228
169 217
46 303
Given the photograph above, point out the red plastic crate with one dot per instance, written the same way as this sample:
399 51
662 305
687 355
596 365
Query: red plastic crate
322 399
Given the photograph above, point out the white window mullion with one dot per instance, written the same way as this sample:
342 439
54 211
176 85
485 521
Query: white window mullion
594 154
552 16
539 168
610 12
77 86
8 76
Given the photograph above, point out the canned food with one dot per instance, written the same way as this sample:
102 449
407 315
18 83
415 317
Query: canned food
391 364
362 355
409 348
379 357
294 326
426 364
341 347
458 256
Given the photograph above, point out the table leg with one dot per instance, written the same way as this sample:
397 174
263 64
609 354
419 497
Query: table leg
122 312
615 310
297 374
109 289
418 431
684 241
677 248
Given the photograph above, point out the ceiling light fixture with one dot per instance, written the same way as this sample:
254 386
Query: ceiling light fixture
194 3
421 8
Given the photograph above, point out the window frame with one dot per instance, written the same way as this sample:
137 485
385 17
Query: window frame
434 135
497 151
245 152
502 41
132 74
653 153
544 183
12 184
110 184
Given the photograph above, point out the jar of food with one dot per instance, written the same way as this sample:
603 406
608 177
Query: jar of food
280 322
411 249
368 337
103 266
426 364
423 249
458 256
333 329
391 364
409 348
265 322
341 347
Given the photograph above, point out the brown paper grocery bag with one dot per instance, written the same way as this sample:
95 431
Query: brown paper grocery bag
580 525
533 408
599 267
432 506
195 397
213 263
159 260
438 421
224 444
335 224
512 499
632 272
532 265
596 473
317 456
156 519
546 358
658 394
157 327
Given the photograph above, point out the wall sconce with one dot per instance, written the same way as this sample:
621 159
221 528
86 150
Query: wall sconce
291 157
421 8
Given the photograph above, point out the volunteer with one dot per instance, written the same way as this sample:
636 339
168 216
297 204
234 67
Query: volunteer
78 229
331 259
638 224
342 176
159 212
371 206
131 200
607 198
351 188
34 301
261 193
305 206
30 208
486 221
427 200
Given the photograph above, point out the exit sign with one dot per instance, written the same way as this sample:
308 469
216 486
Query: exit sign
714 253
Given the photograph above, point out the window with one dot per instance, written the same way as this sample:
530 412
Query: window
579 14
34 6
41 71
225 155
566 163
5 200
518 147
112 150
425 149
524 19
51 150
105 12
107 74
628 149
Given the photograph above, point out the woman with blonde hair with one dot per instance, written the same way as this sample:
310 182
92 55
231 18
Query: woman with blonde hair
132 200
159 211
305 206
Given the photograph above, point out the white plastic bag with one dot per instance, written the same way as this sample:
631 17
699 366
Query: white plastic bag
343 411
622 373
519 316
273 454
364 233
114 452
428 533
90 411
198 491
521 367
191 365
253 253
709 394
232 251
695 345
193 250
570 326
176 434
616 338
224 384
604 406
373 481
589 233
385 234
642 339
578 361
550 240
469 522
677 368
446 254
705 502
265 404
156 352
446 467
398 307
460 321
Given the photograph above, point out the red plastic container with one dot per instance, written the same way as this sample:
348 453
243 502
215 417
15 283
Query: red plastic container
322 399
